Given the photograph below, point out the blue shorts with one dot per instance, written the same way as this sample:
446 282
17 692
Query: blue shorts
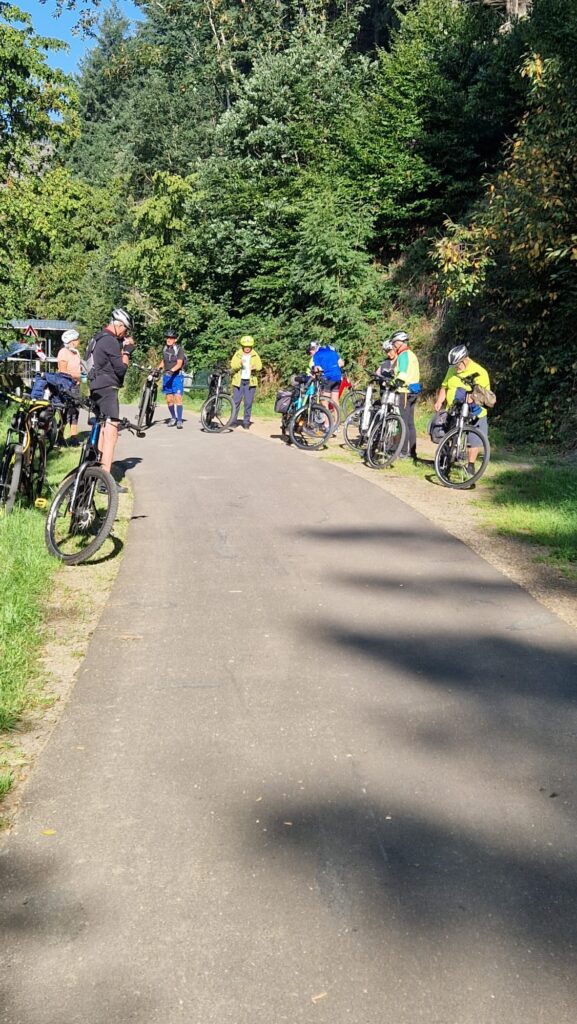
173 384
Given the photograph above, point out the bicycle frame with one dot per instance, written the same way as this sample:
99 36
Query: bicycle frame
90 456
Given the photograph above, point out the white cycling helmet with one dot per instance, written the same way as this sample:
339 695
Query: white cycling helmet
69 336
387 345
120 316
457 354
400 337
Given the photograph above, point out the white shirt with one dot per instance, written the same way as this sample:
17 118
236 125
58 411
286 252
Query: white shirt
245 372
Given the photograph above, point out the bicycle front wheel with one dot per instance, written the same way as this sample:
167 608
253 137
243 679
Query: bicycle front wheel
452 457
385 440
142 420
151 408
216 413
74 534
10 475
36 471
310 427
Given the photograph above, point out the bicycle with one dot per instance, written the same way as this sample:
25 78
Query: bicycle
217 411
85 505
23 459
148 396
452 455
377 427
322 397
307 423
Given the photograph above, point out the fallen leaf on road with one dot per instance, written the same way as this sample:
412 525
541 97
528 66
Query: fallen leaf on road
48 831
130 636
317 998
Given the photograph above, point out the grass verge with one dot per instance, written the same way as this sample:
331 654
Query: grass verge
26 577
539 505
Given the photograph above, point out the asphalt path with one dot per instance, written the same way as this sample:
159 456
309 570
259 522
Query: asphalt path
319 766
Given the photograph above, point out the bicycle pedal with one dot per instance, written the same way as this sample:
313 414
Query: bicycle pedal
41 503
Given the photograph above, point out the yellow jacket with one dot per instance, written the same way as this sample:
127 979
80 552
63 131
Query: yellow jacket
255 367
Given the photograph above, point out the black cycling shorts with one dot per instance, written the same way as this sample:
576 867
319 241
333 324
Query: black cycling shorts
106 402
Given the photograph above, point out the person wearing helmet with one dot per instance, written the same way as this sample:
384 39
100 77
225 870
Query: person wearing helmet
312 349
331 364
107 358
70 364
407 370
245 363
172 363
461 367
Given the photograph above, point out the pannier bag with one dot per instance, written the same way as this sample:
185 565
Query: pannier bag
283 401
484 396
438 426
51 385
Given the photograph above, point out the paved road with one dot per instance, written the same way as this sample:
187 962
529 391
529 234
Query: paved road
319 766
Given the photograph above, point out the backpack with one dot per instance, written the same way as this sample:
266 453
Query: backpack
184 366
484 396
89 358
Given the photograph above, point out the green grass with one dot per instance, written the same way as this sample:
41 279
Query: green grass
537 505
26 577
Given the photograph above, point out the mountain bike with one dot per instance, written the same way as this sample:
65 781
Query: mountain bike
323 397
148 396
377 427
452 455
218 410
84 508
23 459
307 423
387 430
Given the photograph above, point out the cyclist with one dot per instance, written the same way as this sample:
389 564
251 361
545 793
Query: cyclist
462 366
330 362
246 363
107 358
70 364
406 367
172 363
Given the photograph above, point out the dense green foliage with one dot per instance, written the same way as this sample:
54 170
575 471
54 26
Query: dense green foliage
288 168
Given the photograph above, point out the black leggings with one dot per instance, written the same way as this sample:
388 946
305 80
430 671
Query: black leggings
407 405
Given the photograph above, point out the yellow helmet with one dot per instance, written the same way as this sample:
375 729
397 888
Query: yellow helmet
247 341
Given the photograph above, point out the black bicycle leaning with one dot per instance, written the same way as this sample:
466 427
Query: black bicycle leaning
218 410
148 396
23 458
463 435
84 508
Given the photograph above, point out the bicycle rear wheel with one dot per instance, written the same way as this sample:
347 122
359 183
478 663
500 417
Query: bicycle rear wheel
10 475
216 413
385 440
350 401
353 435
310 427
452 458
73 536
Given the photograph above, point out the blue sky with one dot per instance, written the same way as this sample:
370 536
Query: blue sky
45 24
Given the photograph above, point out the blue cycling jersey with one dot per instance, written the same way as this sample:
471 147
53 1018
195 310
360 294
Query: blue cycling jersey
328 360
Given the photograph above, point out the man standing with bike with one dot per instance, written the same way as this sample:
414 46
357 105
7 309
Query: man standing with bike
107 359
173 364
406 368
461 369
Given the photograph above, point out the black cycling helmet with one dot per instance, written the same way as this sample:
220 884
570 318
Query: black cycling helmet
457 354
120 316
171 333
